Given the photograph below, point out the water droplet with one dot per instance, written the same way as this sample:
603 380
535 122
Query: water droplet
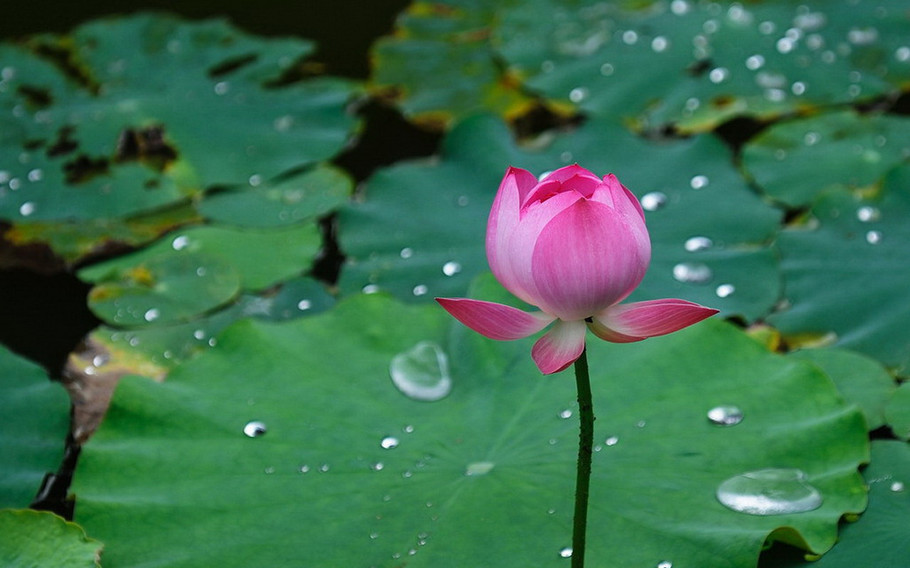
255 428
653 201
26 208
567 413
180 243
897 486
304 305
873 237
719 75
630 37
420 290
665 564
725 290
811 138
100 360
388 443
698 182
199 334
422 373
578 94
810 20
725 415
607 69
152 314
612 441
785 45
451 268
370 289
479 468
867 214
680 7
902 54
35 175
696 244
641 424
862 36
222 87
565 552
269 470
378 466
772 491
798 88
304 468
324 468
284 123
755 62
767 27
692 272
406 252
660 44
408 429
463 200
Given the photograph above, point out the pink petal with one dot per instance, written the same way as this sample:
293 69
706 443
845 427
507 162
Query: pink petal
626 323
496 321
504 217
624 199
560 347
587 258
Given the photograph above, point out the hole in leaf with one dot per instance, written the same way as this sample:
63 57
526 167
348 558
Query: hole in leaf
147 145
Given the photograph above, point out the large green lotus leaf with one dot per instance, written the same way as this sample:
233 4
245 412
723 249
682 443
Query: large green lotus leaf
249 258
266 450
36 421
898 411
794 161
37 539
845 274
183 107
699 64
880 537
440 66
861 380
160 289
420 231
300 197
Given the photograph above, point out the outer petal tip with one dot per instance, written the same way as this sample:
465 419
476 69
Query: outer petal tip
626 323
560 347
496 321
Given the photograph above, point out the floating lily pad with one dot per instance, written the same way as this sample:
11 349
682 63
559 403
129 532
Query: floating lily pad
879 537
898 412
845 274
36 421
36 539
273 453
300 197
860 379
698 64
795 161
96 130
439 65
420 231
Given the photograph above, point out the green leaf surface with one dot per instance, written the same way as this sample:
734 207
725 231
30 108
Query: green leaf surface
860 379
35 425
797 160
879 537
127 115
301 197
37 539
696 65
897 412
420 231
344 469
861 245
195 270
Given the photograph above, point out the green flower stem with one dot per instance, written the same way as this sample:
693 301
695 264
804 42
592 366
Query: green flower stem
585 447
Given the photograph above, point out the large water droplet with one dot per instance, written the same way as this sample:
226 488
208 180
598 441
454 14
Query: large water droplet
451 268
897 486
725 415
692 272
26 208
867 214
406 252
653 201
422 373
695 244
565 552
388 443
479 468
152 315
255 428
772 491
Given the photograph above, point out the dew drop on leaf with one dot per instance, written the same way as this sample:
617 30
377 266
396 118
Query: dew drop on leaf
725 290
565 552
725 415
695 244
653 201
772 491
422 372
692 272
388 443
255 428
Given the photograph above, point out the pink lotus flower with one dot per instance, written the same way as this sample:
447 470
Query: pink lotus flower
574 246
